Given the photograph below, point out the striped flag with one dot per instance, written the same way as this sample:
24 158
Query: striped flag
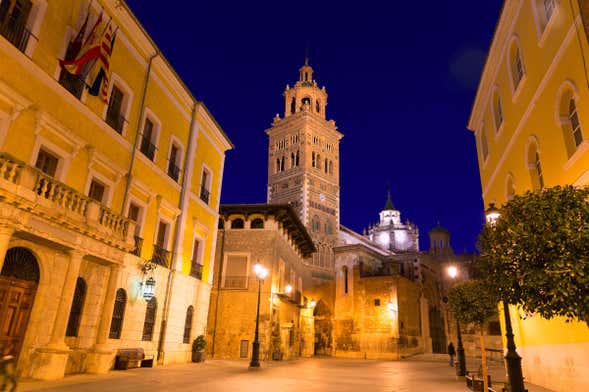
89 51
101 82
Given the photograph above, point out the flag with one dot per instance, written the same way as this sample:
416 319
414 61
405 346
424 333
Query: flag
101 81
88 52
75 45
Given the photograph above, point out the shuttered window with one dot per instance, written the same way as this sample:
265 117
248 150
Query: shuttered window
118 314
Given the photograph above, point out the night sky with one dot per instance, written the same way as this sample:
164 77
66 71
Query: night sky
401 77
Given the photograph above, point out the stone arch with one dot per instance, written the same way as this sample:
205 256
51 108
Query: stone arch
323 328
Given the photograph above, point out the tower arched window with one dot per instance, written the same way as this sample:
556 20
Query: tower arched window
257 223
277 165
237 223
575 123
534 165
570 119
149 322
516 65
345 273
326 168
497 111
118 314
292 160
306 102
297 159
73 324
293 105
188 324
282 164
317 106
313 158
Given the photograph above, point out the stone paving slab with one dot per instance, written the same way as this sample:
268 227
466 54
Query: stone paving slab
312 375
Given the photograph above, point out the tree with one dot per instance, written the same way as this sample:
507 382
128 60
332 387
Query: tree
536 255
474 302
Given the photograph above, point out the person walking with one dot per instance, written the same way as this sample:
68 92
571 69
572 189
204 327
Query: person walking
451 353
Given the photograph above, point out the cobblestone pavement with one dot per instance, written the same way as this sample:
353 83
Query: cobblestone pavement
342 375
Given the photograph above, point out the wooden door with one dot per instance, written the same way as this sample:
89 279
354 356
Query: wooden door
16 302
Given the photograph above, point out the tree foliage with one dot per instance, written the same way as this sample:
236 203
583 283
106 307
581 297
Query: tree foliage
537 253
472 302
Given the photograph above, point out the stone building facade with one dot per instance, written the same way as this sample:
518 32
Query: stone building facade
271 235
93 192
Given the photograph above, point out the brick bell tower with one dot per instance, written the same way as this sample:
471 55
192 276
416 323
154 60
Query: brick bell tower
303 164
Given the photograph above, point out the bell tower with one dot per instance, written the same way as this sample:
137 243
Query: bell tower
303 164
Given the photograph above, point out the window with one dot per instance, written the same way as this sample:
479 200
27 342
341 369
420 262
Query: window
47 162
257 223
149 321
237 223
277 166
147 141
318 162
118 314
497 111
297 159
174 162
293 105
114 114
484 144
313 159
72 83
494 328
538 167
516 65
326 168
14 15
377 302
282 164
317 106
160 253
549 6
534 165
292 160
345 271
243 349
196 265
73 324
97 191
235 276
205 186
134 214
575 124
188 324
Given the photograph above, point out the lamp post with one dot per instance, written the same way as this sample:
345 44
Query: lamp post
261 272
452 272
515 377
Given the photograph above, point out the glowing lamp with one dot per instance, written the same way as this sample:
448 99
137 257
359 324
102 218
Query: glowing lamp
149 289
260 271
492 214
312 304
288 289
452 271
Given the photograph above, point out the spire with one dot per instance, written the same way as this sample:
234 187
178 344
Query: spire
389 205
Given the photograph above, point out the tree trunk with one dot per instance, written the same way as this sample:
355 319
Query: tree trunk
484 362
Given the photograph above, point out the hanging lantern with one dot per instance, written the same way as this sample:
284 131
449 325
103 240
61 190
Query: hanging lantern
149 289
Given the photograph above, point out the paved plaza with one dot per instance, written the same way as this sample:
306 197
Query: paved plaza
420 374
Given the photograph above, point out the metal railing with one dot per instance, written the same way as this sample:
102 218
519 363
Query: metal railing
18 35
161 256
205 194
173 171
148 149
196 270
138 246
72 83
235 282
115 120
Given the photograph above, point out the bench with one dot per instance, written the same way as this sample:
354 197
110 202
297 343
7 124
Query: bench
127 358
474 382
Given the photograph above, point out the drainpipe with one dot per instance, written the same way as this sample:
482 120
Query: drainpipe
219 280
136 144
179 229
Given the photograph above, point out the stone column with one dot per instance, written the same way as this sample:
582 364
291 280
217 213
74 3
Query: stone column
52 359
5 236
101 356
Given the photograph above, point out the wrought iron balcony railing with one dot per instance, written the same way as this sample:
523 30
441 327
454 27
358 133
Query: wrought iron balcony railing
148 149
196 270
18 35
115 120
235 282
72 83
174 171
161 256
205 194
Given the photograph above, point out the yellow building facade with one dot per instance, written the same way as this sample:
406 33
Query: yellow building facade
91 192
530 122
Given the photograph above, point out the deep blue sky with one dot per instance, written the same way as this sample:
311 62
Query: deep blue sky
400 75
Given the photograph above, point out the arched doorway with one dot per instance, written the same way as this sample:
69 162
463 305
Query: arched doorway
437 331
323 329
18 284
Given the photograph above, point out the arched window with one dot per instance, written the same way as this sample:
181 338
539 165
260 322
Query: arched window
237 223
345 272
149 322
188 324
313 159
509 187
293 105
73 324
306 102
534 165
292 160
282 164
317 106
297 159
484 143
516 65
330 167
257 223
326 166
575 124
497 111
277 165
543 12
118 314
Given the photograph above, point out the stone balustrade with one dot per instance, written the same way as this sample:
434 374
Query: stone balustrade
32 184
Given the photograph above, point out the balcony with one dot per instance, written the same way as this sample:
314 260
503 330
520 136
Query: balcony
138 246
235 282
116 121
174 171
72 83
196 270
205 194
148 149
161 256
31 190
18 35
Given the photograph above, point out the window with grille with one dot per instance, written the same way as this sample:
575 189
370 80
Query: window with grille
14 15
149 323
235 272
118 314
97 191
196 265
174 163
114 113
188 324
47 162
518 68
73 324
147 144
575 124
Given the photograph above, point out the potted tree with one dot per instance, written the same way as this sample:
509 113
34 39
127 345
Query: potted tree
198 349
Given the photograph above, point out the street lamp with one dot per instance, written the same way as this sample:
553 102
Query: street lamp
261 272
288 289
452 272
515 376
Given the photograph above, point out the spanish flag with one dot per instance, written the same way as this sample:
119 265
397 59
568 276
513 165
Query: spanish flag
101 81
90 51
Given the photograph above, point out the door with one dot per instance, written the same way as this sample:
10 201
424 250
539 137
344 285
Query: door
16 302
